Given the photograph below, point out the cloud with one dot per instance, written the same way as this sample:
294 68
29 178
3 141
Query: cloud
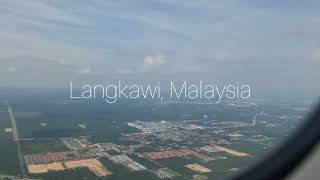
315 56
187 68
39 30
84 71
123 71
152 62
306 57
11 69
223 56
39 11
89 71
119 38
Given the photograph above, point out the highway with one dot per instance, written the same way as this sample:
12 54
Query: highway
16 139
255 118
36 139
14 126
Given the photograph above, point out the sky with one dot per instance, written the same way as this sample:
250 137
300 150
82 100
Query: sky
272 45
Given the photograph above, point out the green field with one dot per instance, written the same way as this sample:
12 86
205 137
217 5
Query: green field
9 163
42 146
5 123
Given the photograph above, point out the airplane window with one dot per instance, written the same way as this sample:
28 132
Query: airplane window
157 89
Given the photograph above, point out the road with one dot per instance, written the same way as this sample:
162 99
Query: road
16 139
14 126
13 177
36 139
255 118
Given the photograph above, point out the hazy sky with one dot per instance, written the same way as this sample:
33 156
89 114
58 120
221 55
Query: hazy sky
271 44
